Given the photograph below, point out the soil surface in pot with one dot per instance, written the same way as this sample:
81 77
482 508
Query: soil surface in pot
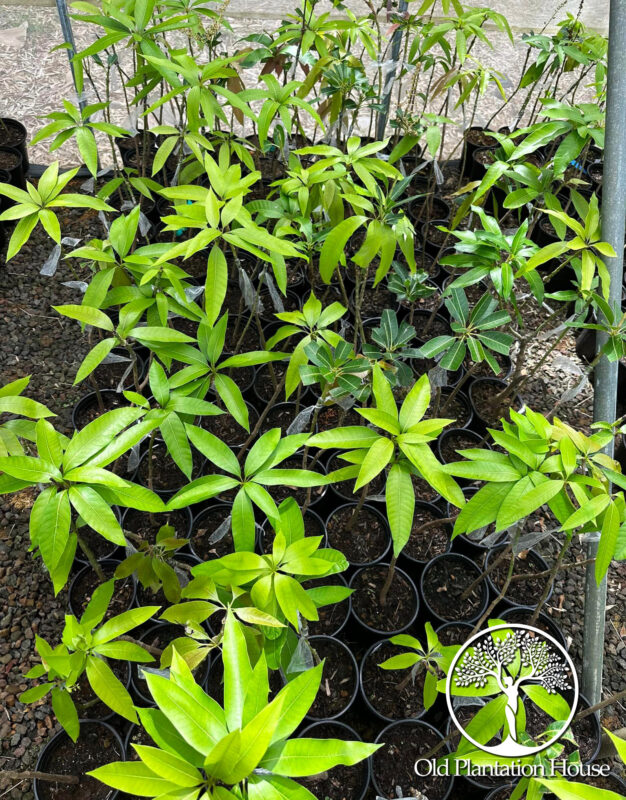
375 301
394 763
99 546
487 404
109 376
480 138
87 702
427 328
335 417
87 582
95 746
339 783
430 208
203 529
454 633
11 134
281 416
138 736
430 542
9 161
148 525
519 591
366 541
481 369
523 617
166 475
339 678
393 693
399 608
238 335
457 408
444 584
264 384
92 410
226 427
333 616
451 444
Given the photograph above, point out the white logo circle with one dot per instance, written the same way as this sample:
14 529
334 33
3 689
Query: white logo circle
521 657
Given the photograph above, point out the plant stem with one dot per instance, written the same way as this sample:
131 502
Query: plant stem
48 777
357 509
388 581
93 561
497 599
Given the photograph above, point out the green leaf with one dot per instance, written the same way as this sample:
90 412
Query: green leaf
122 623
415 403
28 468
133 777
608 541
232 398
97 513
592 509
301 757
237 670
109 689
168 766
87 315
377 458
352 436
50 525
335 243
572 790
65 711
400 503
97 434
216 283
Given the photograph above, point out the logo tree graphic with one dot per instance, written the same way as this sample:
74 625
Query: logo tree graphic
531 658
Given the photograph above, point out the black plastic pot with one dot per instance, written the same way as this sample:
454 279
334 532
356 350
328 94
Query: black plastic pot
14 166
522 614
457 613
77 604
321 642
5 202
452 633
374 656
481 420
470 147
163 635
14 134
339 730
100 547
428 326
291 302
210 520
380 571
434 241
341 545
461 410
454 736
159 454
182 528
532 557
397 737
448 437
89 403
479 162
103 736
424 209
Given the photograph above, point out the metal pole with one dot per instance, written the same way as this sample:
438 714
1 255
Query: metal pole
396 41
68 36
605 381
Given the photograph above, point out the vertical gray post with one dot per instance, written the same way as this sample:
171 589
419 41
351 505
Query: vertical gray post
606 372
396 41
68 36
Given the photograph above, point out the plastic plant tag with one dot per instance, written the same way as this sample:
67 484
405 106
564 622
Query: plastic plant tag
88 186
52 262
302 420
302 658
220 532
274 294
144 224
438 377
191 292
80 285
248 292
103 220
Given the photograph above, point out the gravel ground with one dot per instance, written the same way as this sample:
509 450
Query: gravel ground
35 341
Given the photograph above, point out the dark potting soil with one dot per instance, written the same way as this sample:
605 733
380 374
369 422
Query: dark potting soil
339 783
479 138
280 416
8 161
95 746
428 327
434 235
138 736
366 541
455 442
109 376
584 732
485 157
238 335
166 475
242 376
609 782
339 679
457 409
263 382
596 172
335 417
431 542
444 583
423 490
394 764
204 527
226 427
11 134
399 608
523 616
376 300
519 591
87 413
429 208
87 702
502 794
87 582
454 634
148 525
282 492
483 370
99 546
486 402
394 693
333 616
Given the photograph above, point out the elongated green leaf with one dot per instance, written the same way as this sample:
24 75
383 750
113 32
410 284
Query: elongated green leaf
300 757
109 688
97 513
133 777
400 503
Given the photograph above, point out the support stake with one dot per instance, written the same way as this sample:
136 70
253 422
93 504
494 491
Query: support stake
396 42
606 372
68 36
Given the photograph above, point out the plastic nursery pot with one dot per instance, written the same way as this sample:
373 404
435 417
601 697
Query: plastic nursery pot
474 138
290 302
529 563
523 615
451 633
483 370
11 161
366 542
140 140
182 563
160 636
486 408
210 534
426 208
343 490
433 540
340 679
390 695
400 609
93 405
333 617
501 792
116 371
465 713
5 202
428 325
86 581
481 159
167 478
98 744
264 386
452 440
393 764
148 525
433 240
443 584
14 134
102 548
354 781
458 408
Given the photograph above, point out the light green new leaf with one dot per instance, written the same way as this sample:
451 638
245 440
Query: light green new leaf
109 688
